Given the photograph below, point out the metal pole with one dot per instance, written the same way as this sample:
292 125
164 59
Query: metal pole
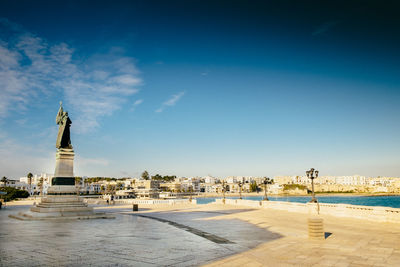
313 193
265 191
223 190
312 174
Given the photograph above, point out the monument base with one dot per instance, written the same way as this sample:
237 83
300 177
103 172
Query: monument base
62 190
64 164
61 207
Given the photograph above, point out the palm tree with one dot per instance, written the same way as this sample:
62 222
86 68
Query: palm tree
4 180
145 175
120 186
78 184
30 175
41 186
78 181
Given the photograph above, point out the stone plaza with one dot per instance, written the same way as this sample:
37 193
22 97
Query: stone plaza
195 235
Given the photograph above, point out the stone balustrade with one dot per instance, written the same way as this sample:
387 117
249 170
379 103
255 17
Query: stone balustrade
155 201
378 214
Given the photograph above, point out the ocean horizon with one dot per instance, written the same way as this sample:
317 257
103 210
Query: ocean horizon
383 201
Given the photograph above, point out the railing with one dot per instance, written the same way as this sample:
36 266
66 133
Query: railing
156 201
381 214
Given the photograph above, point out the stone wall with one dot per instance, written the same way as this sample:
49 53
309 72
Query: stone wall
156 201
355 188
379 214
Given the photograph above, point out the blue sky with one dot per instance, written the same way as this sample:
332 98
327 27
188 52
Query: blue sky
192 88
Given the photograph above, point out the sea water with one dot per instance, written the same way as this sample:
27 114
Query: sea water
384 201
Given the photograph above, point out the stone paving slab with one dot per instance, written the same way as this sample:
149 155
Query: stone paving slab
128 240
260 237
353 242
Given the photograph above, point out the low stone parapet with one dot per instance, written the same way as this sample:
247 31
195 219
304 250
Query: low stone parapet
156 201
378 214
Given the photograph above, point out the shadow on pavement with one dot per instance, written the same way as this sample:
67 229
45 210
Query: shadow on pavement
327 234
221 231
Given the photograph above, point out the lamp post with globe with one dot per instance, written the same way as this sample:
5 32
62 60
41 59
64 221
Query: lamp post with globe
266 181
223 191
240 190
312 174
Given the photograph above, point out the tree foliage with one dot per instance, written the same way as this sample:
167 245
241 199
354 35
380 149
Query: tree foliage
98 179
40 184
253 187
157 177
78 180
13 193
29 175
294 187
4 180
165 178
120 186
110 188
145 175
168 178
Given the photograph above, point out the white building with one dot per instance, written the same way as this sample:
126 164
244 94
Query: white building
350 180
210 180
35 188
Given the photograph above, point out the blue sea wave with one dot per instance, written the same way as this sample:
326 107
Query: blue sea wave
384 201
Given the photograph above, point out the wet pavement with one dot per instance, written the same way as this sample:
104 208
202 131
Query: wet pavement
145 238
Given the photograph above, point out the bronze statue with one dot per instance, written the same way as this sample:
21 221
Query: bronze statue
63 137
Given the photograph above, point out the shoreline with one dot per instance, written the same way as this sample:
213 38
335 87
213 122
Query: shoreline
297 195
22 202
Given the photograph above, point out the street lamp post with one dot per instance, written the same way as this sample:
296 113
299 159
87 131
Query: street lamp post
223 190
240 190
312 174
266 182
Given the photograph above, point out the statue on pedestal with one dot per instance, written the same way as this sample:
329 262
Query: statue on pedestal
63 137
62 200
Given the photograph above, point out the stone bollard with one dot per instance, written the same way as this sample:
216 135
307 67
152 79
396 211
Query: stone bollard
316 228
135 207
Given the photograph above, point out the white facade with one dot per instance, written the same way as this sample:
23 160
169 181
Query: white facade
34 188
210 180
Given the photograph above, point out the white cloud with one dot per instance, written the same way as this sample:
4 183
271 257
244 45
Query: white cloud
82 161
31 67
21 122
138 102
18 160
127 80
170 102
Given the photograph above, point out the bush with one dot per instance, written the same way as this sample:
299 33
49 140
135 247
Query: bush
334 192
253 187
294 187
13 193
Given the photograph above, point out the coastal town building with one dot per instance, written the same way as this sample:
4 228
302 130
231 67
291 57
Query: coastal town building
39 183
182 186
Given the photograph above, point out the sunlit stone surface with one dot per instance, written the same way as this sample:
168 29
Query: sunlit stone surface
129 240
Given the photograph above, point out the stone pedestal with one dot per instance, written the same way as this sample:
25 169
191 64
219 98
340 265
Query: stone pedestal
64 172
63 182
61 207
316 228
62 201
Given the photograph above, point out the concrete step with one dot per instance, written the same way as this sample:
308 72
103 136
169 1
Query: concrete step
61 209
76 204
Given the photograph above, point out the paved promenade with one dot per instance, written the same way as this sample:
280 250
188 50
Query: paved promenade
189 235
351 242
